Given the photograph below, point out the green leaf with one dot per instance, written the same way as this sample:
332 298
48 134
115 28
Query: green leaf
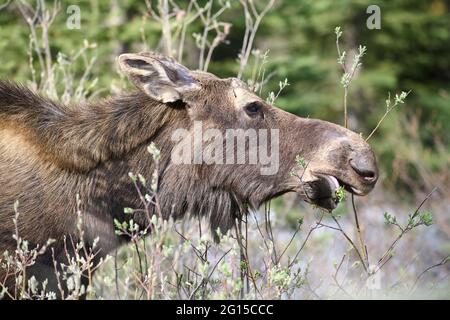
128 210
389 219
426 218
300 161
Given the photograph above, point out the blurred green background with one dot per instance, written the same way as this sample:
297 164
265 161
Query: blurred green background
411 51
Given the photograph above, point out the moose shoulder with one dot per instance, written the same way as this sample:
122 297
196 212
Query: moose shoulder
51 152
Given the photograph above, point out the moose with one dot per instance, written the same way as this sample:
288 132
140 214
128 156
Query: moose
51 152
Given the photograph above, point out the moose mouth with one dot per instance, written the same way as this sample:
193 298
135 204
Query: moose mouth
324 192
337 183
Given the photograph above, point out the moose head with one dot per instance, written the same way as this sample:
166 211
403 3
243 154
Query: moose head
226 138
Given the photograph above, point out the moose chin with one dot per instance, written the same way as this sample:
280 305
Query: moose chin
51 152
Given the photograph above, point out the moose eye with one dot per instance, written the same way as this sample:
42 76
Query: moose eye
253 109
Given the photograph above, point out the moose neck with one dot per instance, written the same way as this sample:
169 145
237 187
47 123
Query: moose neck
181 189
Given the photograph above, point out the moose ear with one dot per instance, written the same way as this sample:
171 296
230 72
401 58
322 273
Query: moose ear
160 77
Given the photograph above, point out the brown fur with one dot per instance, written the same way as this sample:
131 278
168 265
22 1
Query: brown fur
50 152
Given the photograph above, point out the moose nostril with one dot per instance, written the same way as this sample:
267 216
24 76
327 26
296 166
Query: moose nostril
364 171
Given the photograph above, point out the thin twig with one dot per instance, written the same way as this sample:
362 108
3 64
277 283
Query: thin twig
441 263
363 248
